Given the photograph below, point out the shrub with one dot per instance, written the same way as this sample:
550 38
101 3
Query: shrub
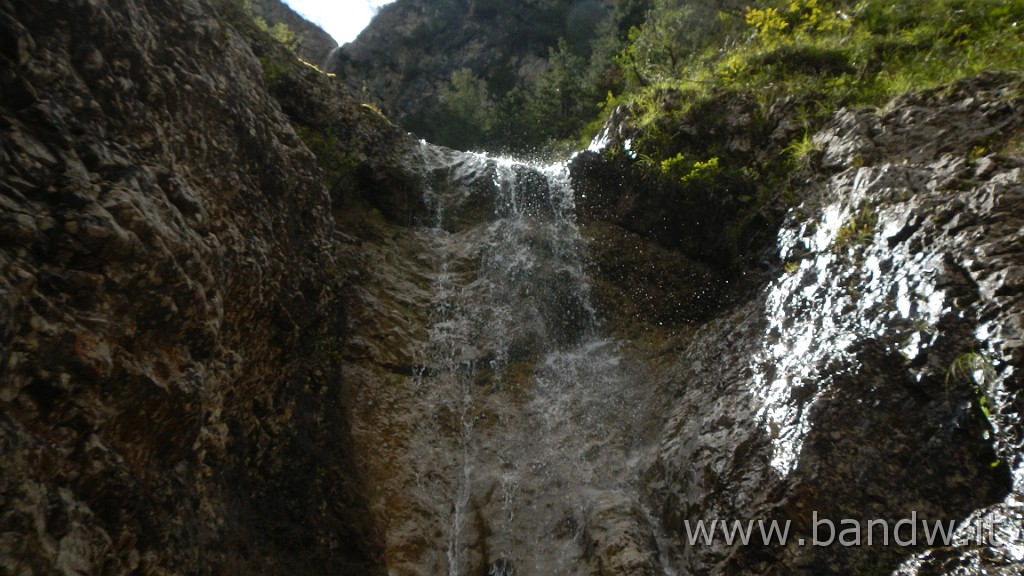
857 232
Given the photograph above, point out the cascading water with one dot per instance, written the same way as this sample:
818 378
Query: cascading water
499 429
540 423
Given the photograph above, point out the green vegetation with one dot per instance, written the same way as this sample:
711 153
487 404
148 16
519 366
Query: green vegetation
979 370
670 56
698 64
272 68
338 162
279 32
239 14
697 77
803 151
841 53
686 171
819 54
704 85
857 232
513 106
552 107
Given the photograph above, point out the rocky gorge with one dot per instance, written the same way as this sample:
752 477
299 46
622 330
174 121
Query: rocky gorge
250 326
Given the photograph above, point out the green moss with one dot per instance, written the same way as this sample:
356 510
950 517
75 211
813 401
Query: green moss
815 60
273 70
280 32
239 14
706 172
337 161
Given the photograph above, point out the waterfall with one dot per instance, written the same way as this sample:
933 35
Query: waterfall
540 414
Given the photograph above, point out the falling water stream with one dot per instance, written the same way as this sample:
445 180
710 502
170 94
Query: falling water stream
503 431
544 419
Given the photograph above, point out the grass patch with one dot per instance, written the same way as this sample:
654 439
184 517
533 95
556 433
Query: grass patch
802 151
814 56
841 53
857 232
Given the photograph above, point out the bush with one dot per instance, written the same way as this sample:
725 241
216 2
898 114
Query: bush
803 59
236 12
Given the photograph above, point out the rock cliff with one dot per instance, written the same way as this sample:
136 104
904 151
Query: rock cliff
171 303
250 326
312 43
875 375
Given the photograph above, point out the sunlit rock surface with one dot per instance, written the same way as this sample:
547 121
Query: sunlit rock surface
841 390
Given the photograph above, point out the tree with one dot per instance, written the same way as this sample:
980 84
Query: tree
466 109
674 32
560 101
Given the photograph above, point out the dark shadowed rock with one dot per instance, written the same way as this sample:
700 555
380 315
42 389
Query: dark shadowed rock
171 397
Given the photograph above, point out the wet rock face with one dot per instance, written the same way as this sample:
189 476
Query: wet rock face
653 255
878 376
167 308
490 415
830 388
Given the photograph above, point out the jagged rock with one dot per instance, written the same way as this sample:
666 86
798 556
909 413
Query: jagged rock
916 128
311 43
835 392
169 400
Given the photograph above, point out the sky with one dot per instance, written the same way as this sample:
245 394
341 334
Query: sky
342 19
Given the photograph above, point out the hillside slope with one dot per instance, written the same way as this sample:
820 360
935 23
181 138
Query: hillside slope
410 58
